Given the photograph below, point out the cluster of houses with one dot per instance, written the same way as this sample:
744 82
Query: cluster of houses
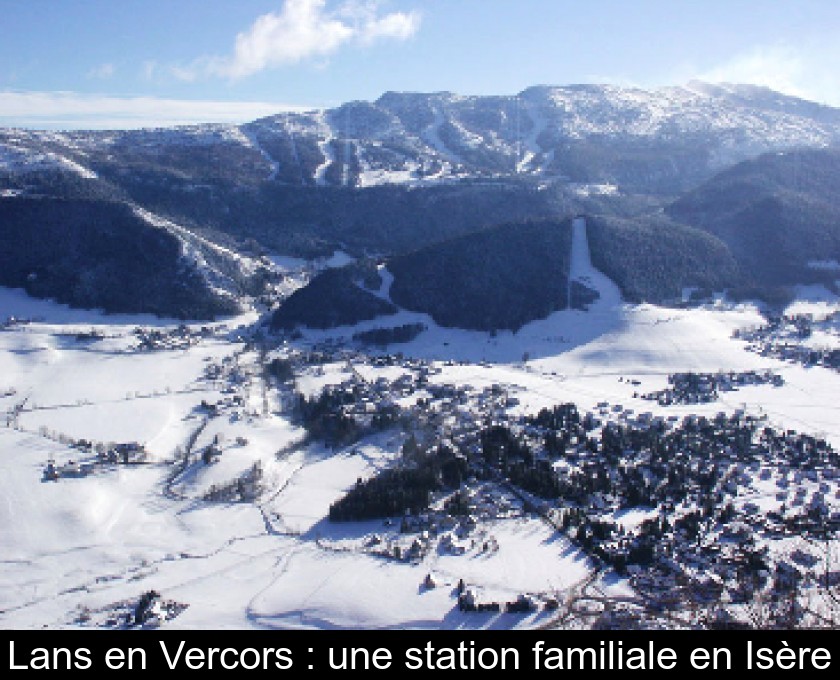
439 530
228 371
213 409
433 411
790 338
419 534
231 378
150 610
16 321
468 601
127 453
159 339
712 531
720 488
403 547
703 388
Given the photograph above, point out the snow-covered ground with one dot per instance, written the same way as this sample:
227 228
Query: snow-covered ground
530 143
324 146
76 546
431 135
82 544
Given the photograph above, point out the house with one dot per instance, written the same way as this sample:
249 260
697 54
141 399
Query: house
130 452
521 605
211 454
50 471
467 601
73 469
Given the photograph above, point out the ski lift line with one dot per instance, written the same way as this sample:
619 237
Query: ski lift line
518 137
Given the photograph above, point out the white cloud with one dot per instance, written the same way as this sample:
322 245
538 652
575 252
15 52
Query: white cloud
102 72
71 110
400 26
368 26
302 29
801 71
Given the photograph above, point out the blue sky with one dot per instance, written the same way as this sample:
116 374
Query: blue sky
108 63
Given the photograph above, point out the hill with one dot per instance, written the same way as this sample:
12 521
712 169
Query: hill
777 214
98 254
494 279
652 258
331 299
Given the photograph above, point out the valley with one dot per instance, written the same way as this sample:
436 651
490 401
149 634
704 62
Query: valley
223 507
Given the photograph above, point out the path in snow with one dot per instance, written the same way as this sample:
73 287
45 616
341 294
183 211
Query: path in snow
326 151
583 271
532 147
384 291
345 166
275 165
432 137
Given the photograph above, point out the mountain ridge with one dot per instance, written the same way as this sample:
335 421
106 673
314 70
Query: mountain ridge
545 131
412 171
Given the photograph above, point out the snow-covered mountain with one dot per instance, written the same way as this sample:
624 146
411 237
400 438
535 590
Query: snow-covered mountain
592 134
306 184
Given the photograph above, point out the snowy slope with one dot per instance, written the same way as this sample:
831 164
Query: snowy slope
224 270
409 138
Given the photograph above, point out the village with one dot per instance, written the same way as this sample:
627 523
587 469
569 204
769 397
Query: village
797 338
106 455
704 388
690 509
675 511
181 337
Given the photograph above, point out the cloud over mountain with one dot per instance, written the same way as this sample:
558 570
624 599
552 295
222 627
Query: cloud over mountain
301 30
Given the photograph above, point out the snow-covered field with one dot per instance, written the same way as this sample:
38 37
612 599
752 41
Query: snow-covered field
80 546
77 547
